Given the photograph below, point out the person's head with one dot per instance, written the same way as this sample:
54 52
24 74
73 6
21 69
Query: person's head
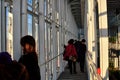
28 44
83 41
71 41
5 58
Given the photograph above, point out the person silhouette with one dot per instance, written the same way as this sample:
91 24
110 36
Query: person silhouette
29 57
11 70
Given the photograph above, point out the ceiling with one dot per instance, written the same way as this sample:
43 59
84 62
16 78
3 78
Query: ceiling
77 7
76 11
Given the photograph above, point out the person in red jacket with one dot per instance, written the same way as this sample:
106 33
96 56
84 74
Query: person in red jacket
70 53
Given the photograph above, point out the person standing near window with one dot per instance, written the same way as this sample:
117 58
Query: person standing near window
29 57
81 54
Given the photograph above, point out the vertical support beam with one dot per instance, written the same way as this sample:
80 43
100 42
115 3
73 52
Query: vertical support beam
94 42
3 27
33 21
86 22
93 31
119 34
0 22
82 12
41 39
119 47
24 17
89 26
61 38
103 29
54 40
16 28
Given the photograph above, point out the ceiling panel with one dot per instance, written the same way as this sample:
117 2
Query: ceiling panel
76 11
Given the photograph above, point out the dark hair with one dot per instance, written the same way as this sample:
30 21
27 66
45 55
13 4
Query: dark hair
71 41
83 40
27 39
5 58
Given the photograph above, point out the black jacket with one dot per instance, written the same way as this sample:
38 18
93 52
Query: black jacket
30 60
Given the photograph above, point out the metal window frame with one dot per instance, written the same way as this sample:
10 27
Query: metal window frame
0 22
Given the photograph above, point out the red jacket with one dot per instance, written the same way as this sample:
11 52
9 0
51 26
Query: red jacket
70 51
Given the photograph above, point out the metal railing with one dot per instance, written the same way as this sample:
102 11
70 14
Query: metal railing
91 68
48 72
51 59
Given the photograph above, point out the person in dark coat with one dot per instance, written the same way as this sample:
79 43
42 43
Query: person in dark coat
11 70
77 45
29 57
81 54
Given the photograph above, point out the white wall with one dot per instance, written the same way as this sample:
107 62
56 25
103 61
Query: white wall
71 27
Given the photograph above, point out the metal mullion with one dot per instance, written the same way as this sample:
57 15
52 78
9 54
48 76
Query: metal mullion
0 23
3 27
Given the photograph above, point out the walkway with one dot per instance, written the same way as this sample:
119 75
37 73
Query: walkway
79 76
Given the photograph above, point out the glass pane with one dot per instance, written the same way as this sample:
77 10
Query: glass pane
36 7
29 24
29 2
45 7
29 5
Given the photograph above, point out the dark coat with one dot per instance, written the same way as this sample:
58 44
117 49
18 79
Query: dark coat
81 52
13 71
30 60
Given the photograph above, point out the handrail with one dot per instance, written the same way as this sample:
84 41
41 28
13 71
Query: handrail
91 68
51 59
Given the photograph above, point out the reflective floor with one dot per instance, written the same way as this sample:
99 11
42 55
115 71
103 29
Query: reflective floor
79 76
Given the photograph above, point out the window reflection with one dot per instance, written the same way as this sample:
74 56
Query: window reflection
29 24
29 5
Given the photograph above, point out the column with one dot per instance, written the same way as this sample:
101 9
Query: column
93 26
0 21
41 39
103 31
3 25
86 23
24 17
54 40
61 38
16 29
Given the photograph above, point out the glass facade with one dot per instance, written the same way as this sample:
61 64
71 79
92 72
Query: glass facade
30 22
28 18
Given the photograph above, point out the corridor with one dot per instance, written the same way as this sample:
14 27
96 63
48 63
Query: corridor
52 23
67 76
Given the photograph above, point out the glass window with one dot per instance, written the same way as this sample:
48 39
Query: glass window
32 20
45 7
29 4
29 24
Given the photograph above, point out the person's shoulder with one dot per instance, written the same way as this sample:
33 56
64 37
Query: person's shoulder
15 70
